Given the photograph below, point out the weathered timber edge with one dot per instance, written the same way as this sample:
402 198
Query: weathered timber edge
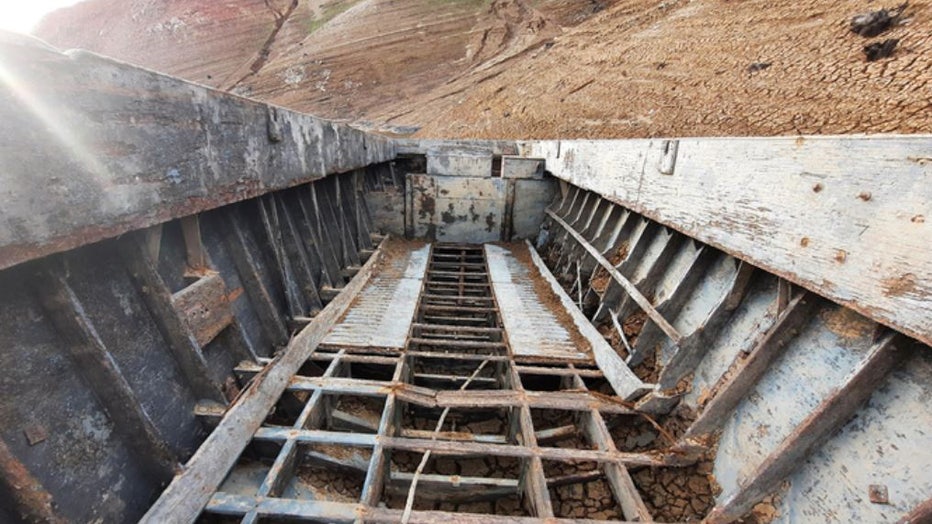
847 217
92 148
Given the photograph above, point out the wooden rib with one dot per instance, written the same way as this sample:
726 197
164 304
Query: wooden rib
250 274
833 412
181 341
626 284
103 375
767 349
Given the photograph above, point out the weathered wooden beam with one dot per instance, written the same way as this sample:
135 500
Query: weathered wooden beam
459 448
692 347
268 214
296 248
204 306
620 482
768 348
189 492
833 412
344 512
181 341
380 463
103 375
193 246
625 383
99 142
250 274
833 226
452 488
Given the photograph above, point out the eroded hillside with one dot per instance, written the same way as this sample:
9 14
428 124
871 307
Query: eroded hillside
517 68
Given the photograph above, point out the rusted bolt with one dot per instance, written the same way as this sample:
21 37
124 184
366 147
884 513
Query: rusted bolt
818 187
878 494
864 195
840 255
804 241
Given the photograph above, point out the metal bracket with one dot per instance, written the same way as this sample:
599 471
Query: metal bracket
668 160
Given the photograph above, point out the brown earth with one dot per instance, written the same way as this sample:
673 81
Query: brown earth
534 69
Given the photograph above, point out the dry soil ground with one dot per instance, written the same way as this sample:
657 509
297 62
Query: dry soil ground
544 68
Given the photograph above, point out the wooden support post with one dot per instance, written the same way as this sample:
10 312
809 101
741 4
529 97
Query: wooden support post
181 341
832 413
194 248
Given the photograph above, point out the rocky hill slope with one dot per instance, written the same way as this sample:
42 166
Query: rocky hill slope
535 68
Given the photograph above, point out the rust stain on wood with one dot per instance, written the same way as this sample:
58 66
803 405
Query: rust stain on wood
904 285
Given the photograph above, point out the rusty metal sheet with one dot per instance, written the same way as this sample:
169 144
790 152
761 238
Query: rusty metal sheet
457 209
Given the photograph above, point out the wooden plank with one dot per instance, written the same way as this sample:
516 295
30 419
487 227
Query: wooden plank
831 414
189 492
204 306
461 448
833 226
346 512
117 168
620 482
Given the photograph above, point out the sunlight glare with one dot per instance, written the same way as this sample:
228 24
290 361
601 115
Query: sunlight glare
21 17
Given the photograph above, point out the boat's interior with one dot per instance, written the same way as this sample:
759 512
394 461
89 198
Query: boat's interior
437 331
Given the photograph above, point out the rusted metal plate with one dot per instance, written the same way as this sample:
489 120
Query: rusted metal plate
457 209
205 307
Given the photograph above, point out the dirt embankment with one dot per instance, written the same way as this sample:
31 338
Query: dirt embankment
537 68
